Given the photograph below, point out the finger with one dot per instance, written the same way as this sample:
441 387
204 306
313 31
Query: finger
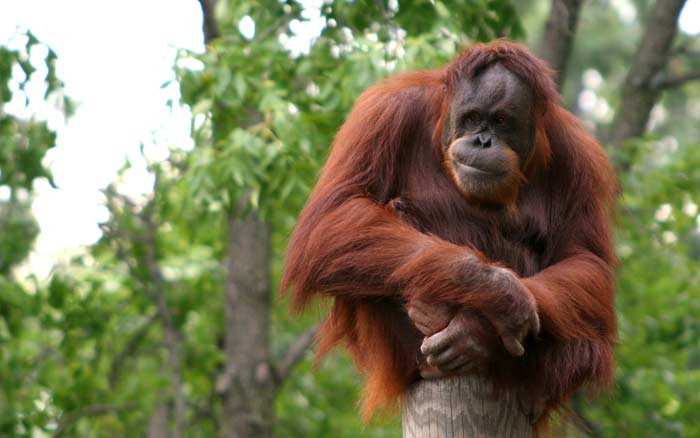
444 311
513 345
415 313
433 312
425 330
431 373
434 317
438 311
420 321
535 324
443 358
418 316
436 343
422 306
467 368
420 326
457 363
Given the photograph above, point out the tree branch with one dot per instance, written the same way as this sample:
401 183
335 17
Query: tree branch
558 38
129 349
639 95
295 353
173 338
68 419
274 30
667 82
158 421
138 246
210 27
584 424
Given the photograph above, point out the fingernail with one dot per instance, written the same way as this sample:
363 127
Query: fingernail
519 350
514 347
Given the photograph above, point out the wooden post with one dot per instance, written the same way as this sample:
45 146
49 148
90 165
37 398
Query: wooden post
462 407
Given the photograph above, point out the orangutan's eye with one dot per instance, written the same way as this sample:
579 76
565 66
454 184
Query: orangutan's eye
500 120
472 119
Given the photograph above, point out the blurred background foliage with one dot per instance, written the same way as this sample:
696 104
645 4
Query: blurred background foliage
128 338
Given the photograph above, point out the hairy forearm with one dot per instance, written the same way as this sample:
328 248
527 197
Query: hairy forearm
364 248
575 298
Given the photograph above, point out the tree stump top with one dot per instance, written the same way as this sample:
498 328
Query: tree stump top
460 407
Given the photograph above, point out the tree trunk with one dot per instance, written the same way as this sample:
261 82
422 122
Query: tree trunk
210 27
462 407
158 423
247 384
249 388
558 39
640 91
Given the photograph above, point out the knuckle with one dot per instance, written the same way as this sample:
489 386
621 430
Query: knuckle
431 345
472 346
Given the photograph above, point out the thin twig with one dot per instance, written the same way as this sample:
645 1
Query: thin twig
676 81
295 353
155 285
173 337
68 419
129 350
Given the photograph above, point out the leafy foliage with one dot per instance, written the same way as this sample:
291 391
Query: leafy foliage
658 296
96 349
23 145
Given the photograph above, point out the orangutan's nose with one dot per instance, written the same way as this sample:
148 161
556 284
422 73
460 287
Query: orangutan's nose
482 140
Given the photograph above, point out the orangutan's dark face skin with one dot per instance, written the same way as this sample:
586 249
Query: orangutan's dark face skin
489 135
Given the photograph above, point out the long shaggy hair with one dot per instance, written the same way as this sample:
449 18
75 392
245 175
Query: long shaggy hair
351 245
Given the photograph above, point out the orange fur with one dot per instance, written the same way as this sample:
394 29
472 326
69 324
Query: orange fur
350 245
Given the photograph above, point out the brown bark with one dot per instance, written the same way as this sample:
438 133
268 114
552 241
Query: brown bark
462 407
249 386
677 81
558 39
640 91
250 380
295 353
210 28
158 423
173 337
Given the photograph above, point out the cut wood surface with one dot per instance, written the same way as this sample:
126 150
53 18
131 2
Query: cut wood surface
462 407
